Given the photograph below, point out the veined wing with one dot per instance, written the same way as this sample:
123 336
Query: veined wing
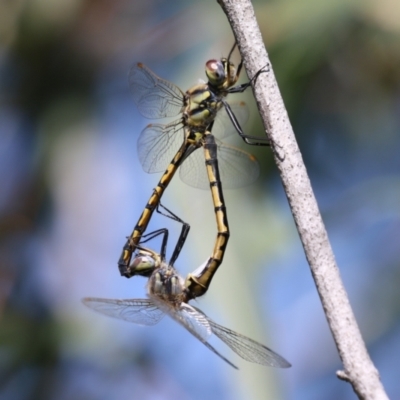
197 324
237 168
155 97
158 144
192 320
223 126
139 311
247 348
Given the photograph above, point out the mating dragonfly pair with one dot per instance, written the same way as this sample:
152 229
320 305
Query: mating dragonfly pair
205 117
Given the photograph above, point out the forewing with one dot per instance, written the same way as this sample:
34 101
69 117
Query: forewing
194 321
138 311
154 97
247 348
197 324
223 125
158 144
237 168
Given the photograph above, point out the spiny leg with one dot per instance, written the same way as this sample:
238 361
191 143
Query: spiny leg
251 140
183 235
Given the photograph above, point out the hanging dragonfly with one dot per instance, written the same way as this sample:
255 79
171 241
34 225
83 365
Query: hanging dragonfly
169 294
157 98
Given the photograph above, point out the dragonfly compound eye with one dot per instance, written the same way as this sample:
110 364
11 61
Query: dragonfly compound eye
143 265
215 72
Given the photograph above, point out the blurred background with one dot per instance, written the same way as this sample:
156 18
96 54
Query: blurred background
72 189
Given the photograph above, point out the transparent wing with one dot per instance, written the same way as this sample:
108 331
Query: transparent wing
158 144
197 324
237 168
247 348
154 97
139 311
223 126
193 171
193 321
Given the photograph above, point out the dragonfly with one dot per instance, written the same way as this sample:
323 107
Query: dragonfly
169 294
197 108
157 98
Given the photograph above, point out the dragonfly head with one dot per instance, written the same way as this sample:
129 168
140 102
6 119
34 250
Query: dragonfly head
143 264
221 73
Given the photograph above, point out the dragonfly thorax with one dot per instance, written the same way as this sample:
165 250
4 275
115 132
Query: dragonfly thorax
167 285
202 106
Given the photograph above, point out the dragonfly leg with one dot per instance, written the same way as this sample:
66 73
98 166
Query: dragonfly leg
231 51
251 140
149 236
241 88
183 235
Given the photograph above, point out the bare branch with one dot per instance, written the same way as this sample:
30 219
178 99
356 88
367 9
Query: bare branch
358 367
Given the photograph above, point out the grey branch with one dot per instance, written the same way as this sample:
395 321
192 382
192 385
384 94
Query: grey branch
358 367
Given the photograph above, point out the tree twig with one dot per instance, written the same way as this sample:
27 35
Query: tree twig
358 367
